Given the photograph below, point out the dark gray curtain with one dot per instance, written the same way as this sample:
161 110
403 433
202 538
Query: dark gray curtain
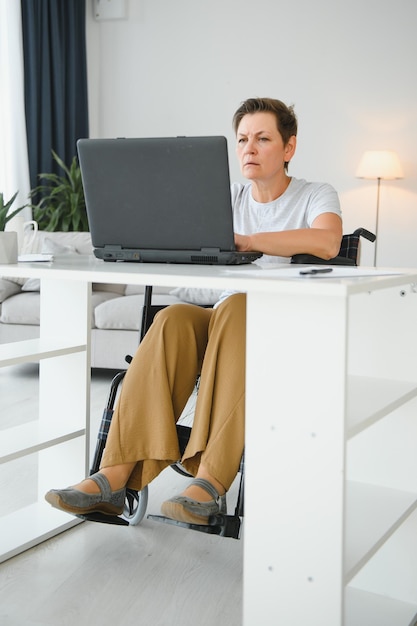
55 81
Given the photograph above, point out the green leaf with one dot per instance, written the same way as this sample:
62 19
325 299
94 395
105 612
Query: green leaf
5 216
61 204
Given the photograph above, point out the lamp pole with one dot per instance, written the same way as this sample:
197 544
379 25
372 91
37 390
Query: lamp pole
377 219
379 164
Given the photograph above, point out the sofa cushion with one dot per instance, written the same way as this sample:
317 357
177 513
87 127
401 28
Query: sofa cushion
63 243
126 313
195 295
7 288
24 308
51 246
31 284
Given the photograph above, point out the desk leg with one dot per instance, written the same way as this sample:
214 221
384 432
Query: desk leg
294 460
64 385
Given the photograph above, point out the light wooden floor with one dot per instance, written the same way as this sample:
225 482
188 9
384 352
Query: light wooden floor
152 574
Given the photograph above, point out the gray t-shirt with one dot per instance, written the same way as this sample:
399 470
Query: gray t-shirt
298 207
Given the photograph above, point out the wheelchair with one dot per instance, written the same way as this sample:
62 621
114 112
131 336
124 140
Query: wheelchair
136 502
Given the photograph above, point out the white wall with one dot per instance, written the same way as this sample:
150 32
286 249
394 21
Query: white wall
178 67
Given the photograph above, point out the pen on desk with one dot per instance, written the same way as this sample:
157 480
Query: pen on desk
321 270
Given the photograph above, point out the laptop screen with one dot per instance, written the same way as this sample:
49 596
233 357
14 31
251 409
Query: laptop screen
158 194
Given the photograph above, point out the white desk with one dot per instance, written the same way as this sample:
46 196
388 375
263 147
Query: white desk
331 466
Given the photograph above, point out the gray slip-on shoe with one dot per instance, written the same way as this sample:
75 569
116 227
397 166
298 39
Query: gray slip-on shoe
183 509
79 503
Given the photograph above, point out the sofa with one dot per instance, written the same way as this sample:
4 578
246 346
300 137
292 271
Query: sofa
116 309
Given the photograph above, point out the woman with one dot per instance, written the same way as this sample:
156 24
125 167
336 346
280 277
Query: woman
275 214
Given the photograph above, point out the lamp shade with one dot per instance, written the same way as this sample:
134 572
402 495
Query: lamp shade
379 164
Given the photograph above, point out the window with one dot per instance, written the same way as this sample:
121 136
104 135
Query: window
14 170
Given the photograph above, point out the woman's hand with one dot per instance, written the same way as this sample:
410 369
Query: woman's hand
243 243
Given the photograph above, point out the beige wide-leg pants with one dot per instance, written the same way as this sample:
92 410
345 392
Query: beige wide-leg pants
183 341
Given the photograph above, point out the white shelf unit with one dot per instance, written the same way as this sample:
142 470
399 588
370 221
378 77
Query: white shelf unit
341 446
56 440
381 463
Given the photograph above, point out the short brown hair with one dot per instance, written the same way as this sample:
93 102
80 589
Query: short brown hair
285 116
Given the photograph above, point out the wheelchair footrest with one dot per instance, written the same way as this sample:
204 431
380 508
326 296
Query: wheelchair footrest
104 519
222 525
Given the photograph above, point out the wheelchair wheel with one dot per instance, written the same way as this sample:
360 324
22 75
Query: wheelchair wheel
135 506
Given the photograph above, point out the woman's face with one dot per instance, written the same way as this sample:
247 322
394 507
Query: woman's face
260 147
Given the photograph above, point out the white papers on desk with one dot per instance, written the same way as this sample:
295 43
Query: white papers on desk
338 271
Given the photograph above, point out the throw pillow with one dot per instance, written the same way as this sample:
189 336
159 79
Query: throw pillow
8 288
195 295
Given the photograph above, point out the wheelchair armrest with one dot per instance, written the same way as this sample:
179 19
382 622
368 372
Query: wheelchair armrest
348 253
310 259
366 234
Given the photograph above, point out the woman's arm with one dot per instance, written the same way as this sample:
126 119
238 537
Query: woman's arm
322 239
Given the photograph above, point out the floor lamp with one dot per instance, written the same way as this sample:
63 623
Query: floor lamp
379 164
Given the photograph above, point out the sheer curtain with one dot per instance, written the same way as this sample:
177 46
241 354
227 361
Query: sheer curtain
14 168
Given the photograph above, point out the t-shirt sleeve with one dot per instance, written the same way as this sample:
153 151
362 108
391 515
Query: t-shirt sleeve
324 199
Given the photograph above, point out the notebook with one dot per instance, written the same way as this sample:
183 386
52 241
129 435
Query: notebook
160 200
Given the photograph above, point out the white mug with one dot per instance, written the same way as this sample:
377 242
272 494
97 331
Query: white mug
26 232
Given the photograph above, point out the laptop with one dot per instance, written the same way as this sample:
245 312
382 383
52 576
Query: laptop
160 200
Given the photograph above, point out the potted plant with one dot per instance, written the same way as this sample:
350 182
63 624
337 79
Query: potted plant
8 240
62 205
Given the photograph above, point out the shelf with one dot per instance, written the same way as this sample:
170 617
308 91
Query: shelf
371 399
32 437
373 514
370 609
30 525
33 350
